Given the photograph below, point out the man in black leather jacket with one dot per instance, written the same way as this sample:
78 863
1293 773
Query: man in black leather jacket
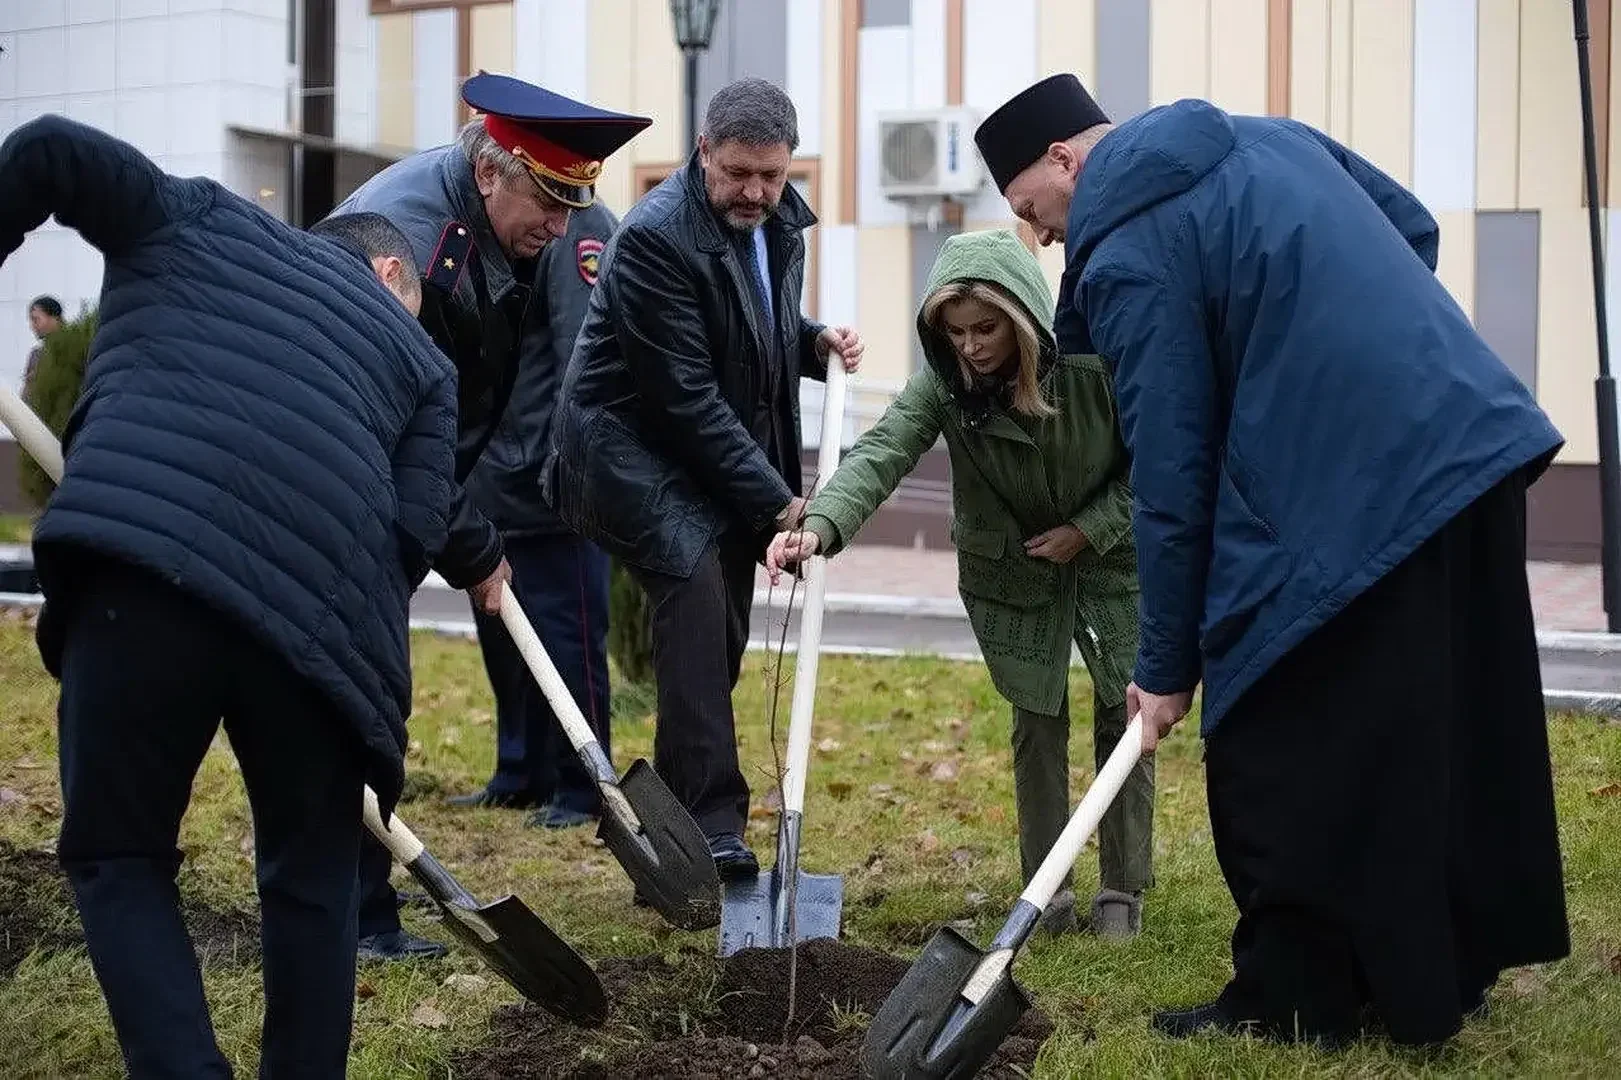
677 436
478 213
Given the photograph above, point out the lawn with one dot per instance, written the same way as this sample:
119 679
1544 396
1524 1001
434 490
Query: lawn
909 797
15 528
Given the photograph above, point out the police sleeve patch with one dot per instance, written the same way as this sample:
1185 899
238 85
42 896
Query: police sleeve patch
449 260
588 257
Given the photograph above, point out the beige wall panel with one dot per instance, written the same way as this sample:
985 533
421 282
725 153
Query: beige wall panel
1308 68
613 86
1567 349
885 311
1382 84
396 73
1052 265
1068 39
1550 109
830 209
659 92
1497 105
492 38
1238 55
1179 50
1340 39
1456 267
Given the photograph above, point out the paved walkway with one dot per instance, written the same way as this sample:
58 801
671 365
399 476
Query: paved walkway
1565 596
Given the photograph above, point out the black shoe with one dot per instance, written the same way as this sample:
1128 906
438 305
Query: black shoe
1209 1019
558 817
398 945
733 859
486 798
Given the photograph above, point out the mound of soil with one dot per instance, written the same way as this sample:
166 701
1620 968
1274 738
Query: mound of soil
695 1016
37 912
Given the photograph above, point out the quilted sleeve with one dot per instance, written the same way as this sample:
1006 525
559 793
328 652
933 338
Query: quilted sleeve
424 467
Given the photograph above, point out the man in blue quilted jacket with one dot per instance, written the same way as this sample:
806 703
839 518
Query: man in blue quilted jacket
258 474
1329 468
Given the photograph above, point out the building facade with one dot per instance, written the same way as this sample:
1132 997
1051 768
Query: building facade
1472 103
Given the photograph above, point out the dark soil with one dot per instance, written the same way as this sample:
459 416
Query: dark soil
37 913
695 1016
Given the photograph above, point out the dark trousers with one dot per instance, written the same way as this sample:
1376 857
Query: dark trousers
147 674
1382 804
562 583
700 627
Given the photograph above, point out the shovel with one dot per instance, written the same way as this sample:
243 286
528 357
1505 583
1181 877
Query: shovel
513 940
652 835
787 905
956 1004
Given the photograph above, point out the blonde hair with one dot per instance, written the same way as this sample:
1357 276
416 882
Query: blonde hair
1027 396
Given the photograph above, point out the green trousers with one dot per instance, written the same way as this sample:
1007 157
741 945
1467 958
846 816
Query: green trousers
1041 791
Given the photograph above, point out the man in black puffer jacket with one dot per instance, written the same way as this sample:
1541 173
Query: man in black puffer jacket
258 473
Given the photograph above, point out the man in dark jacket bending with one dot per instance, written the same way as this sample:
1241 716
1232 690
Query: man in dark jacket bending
676 442
478 213
1330 471
257 476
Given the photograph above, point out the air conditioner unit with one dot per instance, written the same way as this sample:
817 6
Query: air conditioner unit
928 153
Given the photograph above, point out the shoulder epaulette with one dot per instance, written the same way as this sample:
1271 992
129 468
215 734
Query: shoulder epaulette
449 260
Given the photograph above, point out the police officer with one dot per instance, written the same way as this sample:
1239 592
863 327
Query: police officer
478 213
560 578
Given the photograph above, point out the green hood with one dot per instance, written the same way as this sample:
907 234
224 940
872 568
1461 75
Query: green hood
999 257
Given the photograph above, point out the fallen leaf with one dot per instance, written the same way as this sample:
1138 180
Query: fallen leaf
428 1015
1607 790
875 867
976 898
8 796
415 747
879 789
479 717
828 745
27 762
944 770
467 984
900 712
935 746
839 789
995 814
451 737
906 755
1615 964
963 857
364 990
928 841
957 726
246 845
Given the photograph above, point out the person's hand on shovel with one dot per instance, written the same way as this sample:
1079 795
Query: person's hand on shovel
1160 712
487 593
789 549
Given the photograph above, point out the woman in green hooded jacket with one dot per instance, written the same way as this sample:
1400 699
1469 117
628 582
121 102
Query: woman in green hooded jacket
1041 520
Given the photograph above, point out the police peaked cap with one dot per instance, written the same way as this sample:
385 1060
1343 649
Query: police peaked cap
1015 136
562 142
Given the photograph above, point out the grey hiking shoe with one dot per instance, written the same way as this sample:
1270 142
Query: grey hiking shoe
1059 918
1116 915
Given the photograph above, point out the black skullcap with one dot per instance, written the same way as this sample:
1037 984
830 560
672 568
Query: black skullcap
1013 137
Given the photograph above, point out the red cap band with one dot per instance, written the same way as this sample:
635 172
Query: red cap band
540 154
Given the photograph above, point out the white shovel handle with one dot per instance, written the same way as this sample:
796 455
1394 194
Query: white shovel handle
31 433
35 438
1086 817
545 672
810 616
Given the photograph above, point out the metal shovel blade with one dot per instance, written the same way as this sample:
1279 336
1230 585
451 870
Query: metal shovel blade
668 857
527 953
749 915
927 1030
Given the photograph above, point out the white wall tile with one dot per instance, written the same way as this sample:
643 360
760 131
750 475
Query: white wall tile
143 120
42 61
1444 86
92 55
88 11
436 97
8 70
142 9
143 53
928 53
999 60
562 29
266 9
254 107
209 165
97 110
255 50
186 7
199 128
8 117
886 83
805 71
196 48
36 14
29 108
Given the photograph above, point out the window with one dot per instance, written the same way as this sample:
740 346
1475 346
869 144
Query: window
805 174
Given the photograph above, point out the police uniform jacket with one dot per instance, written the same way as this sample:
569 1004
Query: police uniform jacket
474 304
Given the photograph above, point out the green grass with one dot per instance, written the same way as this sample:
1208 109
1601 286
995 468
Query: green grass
15 528
914 852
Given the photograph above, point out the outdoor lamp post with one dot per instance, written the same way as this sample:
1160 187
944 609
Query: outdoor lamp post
694 23
1604 388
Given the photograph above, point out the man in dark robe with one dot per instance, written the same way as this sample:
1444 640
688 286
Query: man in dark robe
1329 472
